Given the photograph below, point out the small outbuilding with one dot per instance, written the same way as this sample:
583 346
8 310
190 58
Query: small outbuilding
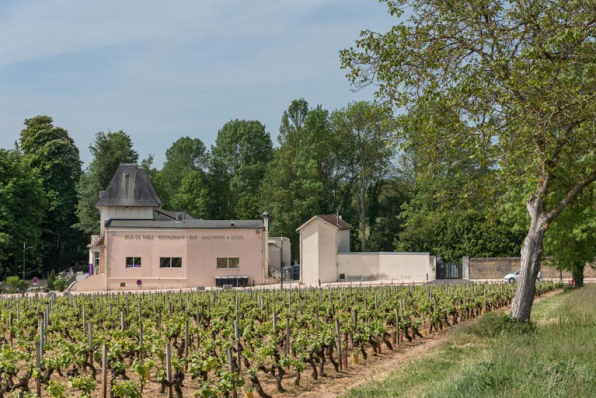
325 257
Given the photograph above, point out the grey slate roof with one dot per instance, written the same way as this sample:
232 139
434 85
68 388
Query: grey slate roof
167 215
130 187
188 224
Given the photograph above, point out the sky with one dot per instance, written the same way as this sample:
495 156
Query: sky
161 70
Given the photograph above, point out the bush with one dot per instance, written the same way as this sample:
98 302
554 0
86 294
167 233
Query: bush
493 325
60 284
52 280
15 284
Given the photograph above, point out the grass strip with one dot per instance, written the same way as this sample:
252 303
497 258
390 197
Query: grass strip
555 356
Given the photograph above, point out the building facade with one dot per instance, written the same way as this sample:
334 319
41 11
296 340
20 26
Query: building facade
325 257
142 246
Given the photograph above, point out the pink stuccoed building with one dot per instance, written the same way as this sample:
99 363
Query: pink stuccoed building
142 246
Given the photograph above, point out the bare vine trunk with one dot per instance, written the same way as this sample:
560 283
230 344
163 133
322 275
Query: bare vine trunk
531 258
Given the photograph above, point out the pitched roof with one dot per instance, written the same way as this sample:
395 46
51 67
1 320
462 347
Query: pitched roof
331 219
161 214
130 187
187 224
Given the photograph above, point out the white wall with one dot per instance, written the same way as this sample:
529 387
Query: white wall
358 266
275 252
405 267
327 252
309 254
343 241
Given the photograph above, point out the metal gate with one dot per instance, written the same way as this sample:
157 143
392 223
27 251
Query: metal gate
448 270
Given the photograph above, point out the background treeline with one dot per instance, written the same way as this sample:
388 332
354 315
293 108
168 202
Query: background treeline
345 161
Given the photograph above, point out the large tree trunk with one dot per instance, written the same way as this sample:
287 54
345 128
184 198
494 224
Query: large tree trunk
531 257
578 274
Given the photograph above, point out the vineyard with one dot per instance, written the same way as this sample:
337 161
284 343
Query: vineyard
218 343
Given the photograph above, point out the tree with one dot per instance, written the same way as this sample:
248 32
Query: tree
570 242
183 157
52 280
368 128
310 172
194 195
22 204
520 76
386 200
55 158
241 154
109 151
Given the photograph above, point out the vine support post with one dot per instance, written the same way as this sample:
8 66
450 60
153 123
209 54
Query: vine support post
169 368
338 339
237 338
38 354
288 340
91 342
186 343
141 341
104 371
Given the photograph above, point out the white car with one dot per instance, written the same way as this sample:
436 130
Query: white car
511 278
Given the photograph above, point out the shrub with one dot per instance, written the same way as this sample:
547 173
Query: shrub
52 280
493 325
15 284
60 284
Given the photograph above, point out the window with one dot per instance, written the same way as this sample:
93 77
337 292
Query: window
170 262
133 262
228 263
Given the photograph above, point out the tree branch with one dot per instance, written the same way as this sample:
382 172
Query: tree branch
570 197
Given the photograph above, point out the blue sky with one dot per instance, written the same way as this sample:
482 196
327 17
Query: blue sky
161 70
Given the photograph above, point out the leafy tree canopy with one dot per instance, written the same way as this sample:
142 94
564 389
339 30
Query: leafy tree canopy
520 80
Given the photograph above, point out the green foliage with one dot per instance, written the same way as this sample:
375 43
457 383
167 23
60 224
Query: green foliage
85 384
56 389
54 157
60 284
311 172
186 155
109 151
22 201
15 284
493 325
570 241
125 389
518 96
194 195
241 155
367 129
452 235
52 280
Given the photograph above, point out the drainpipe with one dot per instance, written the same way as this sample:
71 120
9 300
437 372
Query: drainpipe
266 246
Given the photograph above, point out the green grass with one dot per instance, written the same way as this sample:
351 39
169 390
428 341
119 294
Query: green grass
556 357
